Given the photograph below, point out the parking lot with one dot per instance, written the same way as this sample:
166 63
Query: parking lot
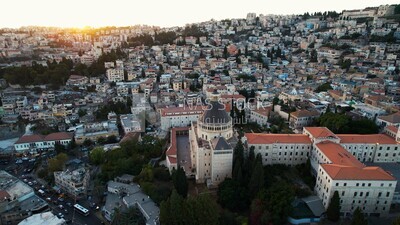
59 203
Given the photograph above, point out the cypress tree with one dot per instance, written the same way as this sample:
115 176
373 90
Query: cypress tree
333 211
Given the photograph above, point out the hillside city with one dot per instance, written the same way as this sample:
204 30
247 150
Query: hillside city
267 119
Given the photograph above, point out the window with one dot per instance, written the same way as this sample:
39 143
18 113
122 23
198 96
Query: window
355 194
357 184
345 184
343 193
387 194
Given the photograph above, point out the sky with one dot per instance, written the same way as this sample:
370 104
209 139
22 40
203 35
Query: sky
164 13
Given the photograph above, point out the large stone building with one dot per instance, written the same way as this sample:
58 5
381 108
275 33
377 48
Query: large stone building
336 161
210 140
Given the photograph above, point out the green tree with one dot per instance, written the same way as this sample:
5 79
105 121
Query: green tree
333 211
180 181
101 140
313 56
396 221
202 210
279 199
57 163
97 156
82 112
87 142
323 87
59 148
225 52
238 158
358 218
172 211
257 177
232 195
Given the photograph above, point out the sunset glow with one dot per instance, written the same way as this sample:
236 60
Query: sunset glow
78 13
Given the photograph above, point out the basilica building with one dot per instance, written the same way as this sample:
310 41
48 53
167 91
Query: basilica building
211 142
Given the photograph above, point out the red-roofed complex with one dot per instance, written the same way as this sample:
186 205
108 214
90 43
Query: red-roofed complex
337 162
40 142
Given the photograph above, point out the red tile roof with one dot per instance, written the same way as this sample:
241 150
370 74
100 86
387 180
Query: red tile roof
340 172
366 138
51 137
58 136
337 154
30 138
393 129
320 132
259 138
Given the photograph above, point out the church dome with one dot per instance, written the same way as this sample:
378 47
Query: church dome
215 114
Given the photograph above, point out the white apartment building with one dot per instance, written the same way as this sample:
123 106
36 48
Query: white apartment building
73 182
40 142
115 75
302 118
130 123
260 116
369 188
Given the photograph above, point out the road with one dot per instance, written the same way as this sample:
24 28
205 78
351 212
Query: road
52 197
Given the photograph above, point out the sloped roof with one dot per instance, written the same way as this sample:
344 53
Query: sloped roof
219 143
315 205
342 172
366 138
259 138
337 154
320 132
393 118
51 137
215 113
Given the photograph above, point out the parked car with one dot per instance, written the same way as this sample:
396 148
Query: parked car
18 161
61 206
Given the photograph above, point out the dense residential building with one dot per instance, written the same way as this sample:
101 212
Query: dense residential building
73 181
18 200
115 75
94 131
124 195
47 218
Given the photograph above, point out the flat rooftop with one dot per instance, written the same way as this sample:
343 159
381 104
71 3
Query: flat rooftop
183 152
